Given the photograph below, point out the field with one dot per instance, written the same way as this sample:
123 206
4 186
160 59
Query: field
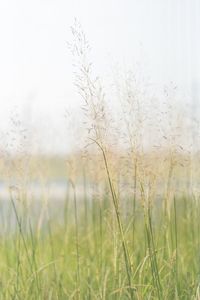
118 218
97 240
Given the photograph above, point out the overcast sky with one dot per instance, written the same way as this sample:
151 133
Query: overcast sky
36 67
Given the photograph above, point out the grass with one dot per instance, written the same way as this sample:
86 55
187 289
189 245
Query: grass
87 262
128 225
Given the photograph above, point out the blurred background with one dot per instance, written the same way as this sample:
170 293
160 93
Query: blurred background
158 39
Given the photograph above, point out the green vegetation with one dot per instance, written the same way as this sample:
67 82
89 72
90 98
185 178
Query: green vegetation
86 256
127 226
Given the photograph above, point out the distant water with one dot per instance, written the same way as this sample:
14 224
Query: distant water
53 200
39 202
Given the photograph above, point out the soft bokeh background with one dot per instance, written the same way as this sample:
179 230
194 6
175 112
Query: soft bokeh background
36 66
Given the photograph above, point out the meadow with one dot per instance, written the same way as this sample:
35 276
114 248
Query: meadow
116 219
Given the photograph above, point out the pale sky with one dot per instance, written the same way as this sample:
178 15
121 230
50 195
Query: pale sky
36 66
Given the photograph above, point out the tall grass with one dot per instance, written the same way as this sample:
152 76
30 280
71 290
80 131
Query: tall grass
124 229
